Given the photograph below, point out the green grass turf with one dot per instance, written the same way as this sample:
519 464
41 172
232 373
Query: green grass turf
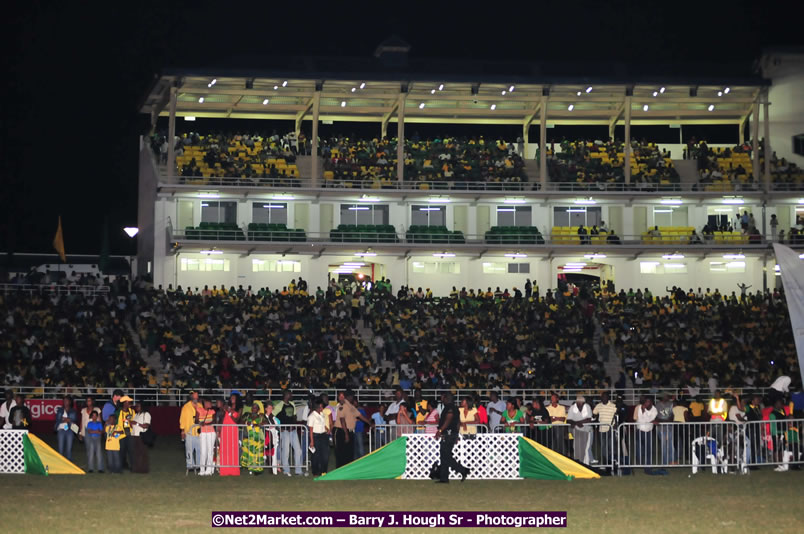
168 501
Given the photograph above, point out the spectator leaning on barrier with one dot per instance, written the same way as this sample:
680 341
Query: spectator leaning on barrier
645 416
606 412
666 437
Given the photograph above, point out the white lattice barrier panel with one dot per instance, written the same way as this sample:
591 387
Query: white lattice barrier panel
12 459
489 456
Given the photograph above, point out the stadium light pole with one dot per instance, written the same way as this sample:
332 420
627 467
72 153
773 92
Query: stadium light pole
766 106
755 140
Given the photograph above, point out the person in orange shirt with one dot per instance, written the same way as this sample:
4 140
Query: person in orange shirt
206 415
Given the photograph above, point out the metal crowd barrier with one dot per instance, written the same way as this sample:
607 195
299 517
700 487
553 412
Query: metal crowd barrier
773 443
381 435
713 444
275 448
592 444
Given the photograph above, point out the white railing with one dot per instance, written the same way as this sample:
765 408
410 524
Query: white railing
55 289
381 435
585 443
178 396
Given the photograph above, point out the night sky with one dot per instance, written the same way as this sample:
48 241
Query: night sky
73 77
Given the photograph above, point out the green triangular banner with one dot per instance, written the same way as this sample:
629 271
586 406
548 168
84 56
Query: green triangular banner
532 464
386 462
33 464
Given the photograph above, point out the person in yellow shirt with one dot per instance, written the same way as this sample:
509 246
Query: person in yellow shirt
125 415
696 408
190 432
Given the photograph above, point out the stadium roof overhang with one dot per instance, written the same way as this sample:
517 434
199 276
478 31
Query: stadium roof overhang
454 99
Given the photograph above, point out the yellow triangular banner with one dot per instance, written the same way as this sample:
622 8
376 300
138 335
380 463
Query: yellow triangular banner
567 466
55 463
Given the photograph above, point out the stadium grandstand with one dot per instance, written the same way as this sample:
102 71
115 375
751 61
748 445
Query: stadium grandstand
252 208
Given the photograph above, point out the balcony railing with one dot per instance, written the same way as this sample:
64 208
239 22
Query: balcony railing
720 239
491 186
54 289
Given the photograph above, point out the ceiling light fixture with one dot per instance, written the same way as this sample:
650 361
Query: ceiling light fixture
570 107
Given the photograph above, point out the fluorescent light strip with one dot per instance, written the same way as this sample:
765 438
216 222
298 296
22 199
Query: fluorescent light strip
516 255
272 206
359 208
514 201
211 252
670 201
444 255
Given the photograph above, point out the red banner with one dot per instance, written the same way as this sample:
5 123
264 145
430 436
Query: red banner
43 410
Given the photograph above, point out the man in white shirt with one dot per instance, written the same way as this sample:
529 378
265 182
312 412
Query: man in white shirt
393 408
645 416
495 409
5 409
579 416
319 438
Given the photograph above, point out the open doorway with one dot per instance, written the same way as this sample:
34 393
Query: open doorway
356 271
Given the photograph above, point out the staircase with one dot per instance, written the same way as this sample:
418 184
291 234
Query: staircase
687 171
305 166
532 170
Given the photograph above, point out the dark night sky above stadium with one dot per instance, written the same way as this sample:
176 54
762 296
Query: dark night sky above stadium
74 74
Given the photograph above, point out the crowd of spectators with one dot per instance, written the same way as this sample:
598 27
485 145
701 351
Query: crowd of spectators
458 160
687 338
595 164
303 338
250 157
69 340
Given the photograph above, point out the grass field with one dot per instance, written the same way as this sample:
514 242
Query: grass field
168 501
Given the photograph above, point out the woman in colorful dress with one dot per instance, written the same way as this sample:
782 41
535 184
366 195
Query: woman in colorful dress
228 458
252 454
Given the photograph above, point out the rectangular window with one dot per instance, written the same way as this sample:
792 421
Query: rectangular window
514 216
275 266
495 268
521 268
657 267
436 267
369 214
727 267
576 216
428 216
218 212
670 216
204 264
269 212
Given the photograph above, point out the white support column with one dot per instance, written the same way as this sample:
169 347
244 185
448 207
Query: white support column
767 147
171 155
627 151
755 140
543 142
316 109
400 139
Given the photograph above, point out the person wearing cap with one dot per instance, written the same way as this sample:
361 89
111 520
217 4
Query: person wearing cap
579 417
190 431
123 419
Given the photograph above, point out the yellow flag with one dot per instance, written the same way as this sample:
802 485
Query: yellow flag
58 243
